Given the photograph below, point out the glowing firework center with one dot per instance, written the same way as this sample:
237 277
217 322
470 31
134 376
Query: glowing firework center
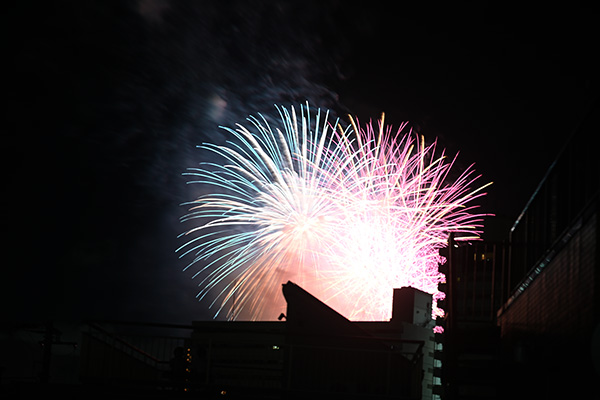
348 213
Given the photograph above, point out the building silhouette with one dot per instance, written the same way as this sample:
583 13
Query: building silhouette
523 314
318 353
522 321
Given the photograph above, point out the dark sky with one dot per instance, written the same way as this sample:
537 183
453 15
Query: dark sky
107 100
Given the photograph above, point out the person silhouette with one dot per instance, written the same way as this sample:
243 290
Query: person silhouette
178 365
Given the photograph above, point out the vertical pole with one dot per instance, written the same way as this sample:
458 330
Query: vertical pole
473 285
449 345
289 371
503 275
493 291
508 264
208 359
47 352
450 282
389 372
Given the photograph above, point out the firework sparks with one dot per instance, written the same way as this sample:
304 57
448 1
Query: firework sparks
349 214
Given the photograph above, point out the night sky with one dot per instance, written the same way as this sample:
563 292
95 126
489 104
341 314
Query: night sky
108 99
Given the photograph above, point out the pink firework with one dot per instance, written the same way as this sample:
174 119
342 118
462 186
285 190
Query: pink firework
349 214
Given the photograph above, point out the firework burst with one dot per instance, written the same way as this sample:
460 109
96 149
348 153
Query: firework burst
348 214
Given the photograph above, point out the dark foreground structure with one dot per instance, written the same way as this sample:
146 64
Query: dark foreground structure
524 314
522 321
317 353
312 352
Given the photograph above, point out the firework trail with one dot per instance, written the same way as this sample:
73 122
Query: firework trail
348 214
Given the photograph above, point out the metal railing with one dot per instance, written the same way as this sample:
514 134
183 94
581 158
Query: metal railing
129 353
